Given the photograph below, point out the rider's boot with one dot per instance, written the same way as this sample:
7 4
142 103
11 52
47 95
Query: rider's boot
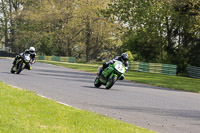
30 68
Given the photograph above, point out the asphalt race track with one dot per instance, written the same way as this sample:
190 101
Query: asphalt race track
158 109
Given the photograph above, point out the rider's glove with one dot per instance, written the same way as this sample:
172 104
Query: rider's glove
33 62
111 62
126 68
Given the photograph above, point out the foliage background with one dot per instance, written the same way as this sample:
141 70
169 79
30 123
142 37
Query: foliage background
164 31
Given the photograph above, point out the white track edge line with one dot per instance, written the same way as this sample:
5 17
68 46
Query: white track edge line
46 97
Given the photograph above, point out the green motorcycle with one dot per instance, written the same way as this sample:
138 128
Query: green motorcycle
110 75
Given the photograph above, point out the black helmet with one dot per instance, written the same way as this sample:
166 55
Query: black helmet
124 57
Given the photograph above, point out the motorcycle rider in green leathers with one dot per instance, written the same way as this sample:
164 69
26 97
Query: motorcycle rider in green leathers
123 58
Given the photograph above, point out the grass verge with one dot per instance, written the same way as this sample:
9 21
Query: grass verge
160 80
23 111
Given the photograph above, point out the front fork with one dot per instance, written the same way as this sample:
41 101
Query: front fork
111 76
99 70
21 64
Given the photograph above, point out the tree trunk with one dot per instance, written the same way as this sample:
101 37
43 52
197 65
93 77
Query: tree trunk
69 50
12 27
5 15
169 46
88 40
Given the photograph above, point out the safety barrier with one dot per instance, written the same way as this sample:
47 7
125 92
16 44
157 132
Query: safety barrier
7 54
57 58
153 67
193 71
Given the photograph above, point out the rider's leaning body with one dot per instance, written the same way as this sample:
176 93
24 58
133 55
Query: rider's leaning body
123 58
30 51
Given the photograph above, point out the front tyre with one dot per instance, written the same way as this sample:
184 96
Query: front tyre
20 68
111 82
12 71
97 82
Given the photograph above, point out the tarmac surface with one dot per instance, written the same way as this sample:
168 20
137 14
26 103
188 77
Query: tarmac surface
158 109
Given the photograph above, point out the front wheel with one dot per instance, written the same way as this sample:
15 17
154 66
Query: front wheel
111 82
12 69
97 82
20 68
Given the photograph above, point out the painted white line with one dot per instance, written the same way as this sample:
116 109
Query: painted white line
56 101
15 87
65 104
46 97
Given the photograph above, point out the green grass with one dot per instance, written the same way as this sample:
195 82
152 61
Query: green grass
168 81
23 111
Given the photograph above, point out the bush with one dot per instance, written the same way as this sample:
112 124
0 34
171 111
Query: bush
130 55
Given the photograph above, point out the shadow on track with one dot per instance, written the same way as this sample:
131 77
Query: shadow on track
90 77
65 72
100 88
191 114
15 73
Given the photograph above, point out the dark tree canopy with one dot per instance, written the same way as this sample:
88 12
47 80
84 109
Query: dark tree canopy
163 31
159 31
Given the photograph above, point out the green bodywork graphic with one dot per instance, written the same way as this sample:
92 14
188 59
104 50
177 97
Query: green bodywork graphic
110 75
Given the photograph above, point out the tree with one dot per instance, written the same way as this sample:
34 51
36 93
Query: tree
99 34
60 27
158 31
9 10
5 20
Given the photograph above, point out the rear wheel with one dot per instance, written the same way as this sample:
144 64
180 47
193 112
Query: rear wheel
97 82
111 82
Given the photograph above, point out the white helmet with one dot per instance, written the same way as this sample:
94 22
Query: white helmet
32 50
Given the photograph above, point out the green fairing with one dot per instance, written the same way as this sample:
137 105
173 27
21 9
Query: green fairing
110 75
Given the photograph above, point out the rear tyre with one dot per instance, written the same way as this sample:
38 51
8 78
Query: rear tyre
97 82
111 82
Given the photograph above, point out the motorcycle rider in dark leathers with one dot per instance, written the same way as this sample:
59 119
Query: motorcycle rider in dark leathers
123 58
30 51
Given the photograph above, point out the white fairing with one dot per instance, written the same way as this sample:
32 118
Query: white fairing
119 66
27 57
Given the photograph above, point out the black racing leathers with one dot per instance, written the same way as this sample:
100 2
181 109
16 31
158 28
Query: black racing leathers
21 55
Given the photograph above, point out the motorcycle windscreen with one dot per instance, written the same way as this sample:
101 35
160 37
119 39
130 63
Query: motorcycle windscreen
119 66
27 57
